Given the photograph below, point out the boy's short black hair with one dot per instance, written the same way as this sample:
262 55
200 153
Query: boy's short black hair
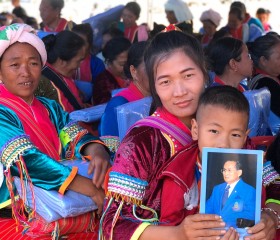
227 97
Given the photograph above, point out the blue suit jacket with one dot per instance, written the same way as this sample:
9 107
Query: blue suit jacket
240 204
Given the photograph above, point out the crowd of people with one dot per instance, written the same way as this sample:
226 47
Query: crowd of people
148 187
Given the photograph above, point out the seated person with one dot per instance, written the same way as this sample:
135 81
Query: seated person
137 89
37 134
115 54
65 50
50 12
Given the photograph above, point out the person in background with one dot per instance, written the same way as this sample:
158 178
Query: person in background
50 12
115 54
252 26
31 21
137 89
210 20
66 50
130 15
18 10
178 13
107 35
265 52
91 66
263 15
37 135
230 60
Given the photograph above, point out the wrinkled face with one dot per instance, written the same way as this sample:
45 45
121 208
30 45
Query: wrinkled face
179 82
48 13
209 27
116 66
214 127
272 64
20 70
245 65
170 15
233 22
128 17
230 173
68 68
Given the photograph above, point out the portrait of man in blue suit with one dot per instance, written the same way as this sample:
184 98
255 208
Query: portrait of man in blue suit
234 200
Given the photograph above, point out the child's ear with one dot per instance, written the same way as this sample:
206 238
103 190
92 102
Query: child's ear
194 129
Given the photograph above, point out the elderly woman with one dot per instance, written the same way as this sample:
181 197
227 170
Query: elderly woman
210 20
36 134
178 12
50 12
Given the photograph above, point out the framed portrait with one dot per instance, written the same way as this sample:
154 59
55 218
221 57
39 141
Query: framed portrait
231 184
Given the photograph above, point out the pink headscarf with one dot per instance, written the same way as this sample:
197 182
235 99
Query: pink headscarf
22 33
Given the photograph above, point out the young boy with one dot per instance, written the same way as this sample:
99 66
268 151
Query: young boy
221 122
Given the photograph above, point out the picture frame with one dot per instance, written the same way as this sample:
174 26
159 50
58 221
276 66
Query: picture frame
241 208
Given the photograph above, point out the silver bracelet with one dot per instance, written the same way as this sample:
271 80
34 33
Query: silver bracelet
275 213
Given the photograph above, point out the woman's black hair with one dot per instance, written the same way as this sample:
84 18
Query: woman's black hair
115 47
262 46
56 4
222 51
133 7
135 56
238 12
86 30
64 45
161 47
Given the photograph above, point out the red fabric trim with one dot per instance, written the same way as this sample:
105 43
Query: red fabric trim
220 81
62 24
30 116
131 93
171 118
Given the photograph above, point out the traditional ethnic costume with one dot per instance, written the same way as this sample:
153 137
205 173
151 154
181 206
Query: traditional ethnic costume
142 164
271 181
34 138
104 84
55 86
218 82
27 148
63 24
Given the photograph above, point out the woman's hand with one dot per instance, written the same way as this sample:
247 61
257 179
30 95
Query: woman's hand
99 163
202 226
98 198
265 229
